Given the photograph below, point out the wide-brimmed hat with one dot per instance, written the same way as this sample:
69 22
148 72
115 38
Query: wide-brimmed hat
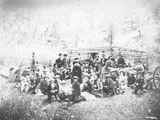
64 54
59 54
75 77
57 76
75 61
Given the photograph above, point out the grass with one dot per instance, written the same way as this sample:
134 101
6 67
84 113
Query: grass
21 108
16 106
154 103
123 107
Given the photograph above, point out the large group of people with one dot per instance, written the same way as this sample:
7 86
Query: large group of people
98 75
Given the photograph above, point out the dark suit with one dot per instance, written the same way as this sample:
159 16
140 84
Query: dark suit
77 72
121 62
59 63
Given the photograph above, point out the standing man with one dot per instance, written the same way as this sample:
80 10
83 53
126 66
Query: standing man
76 71
33 63
139 76
65 61
59 61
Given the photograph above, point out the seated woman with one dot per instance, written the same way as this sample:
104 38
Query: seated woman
85 73
53 89
109 84
131 79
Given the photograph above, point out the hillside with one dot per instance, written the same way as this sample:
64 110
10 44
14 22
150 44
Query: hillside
121 107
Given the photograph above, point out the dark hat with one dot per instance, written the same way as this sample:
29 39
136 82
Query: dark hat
12 68
112 59
65 54
87 61
76 60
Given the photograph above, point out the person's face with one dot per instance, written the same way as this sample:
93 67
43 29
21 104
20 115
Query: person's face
86 79
44 72
97 57
87 64
33 54
61 57
85 70
76 64
57 77
92 70
120 55
106 64
75 80
65 56
27 76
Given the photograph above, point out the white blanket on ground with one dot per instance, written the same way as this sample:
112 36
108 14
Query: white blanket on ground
88 96
65 87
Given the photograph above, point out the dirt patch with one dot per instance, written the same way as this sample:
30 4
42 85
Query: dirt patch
121 107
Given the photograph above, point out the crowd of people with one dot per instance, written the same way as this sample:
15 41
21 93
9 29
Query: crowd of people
98 75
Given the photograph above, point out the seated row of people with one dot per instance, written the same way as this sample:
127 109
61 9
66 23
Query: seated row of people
90 75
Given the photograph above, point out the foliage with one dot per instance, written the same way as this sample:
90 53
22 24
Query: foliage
21 108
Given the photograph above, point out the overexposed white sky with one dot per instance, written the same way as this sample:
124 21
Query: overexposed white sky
27 25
